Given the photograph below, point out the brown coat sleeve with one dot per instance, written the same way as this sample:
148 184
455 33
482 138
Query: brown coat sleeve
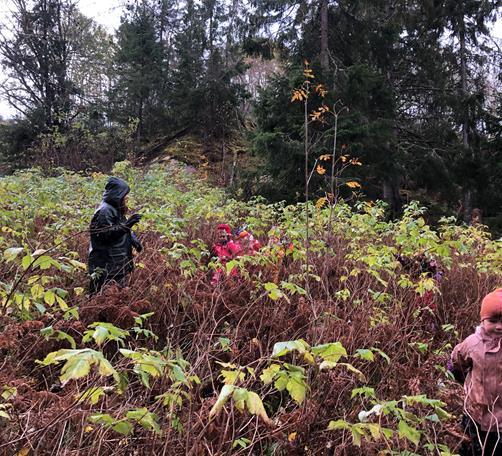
460 362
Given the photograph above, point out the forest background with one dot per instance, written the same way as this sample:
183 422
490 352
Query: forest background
414 86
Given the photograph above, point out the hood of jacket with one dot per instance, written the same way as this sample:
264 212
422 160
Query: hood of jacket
115 191
491 343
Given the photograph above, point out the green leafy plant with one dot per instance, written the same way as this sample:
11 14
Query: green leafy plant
243 400
141 416
78 363
103 332
407 421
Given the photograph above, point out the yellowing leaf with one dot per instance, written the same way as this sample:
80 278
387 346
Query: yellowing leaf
49 297
255 407
225 394
307 72
75 368
37 290
78 290
319 88
105 368
374 430
296 96
320 170
316 115
297 388
62 303
92 395
331 352
269 373
353 184
26 261
338 424
351 368
321 202
88 429
9 392
299 94
281 381
232 377
292 436
24 452
325 157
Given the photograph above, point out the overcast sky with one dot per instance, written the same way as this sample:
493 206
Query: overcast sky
107 13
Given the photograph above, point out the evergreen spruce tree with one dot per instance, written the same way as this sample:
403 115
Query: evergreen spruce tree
188 71
468 22
138 70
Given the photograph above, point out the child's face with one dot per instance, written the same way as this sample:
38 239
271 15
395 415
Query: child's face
223 235
493 325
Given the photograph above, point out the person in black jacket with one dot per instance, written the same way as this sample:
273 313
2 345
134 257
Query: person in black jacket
112 239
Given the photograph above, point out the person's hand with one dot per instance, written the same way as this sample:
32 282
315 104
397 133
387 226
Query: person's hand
132 220
137 245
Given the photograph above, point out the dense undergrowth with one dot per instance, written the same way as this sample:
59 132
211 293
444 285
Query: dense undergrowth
343 359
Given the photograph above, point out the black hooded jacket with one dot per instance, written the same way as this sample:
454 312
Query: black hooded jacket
111 241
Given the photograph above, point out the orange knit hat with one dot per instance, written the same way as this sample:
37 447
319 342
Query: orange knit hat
492 304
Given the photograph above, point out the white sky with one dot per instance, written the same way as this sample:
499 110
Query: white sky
107 13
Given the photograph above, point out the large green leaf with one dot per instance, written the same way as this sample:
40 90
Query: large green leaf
408 432
269 373
145 419
79 362
92 395
75 368
123 427
297 386
283 348
331 352
365 354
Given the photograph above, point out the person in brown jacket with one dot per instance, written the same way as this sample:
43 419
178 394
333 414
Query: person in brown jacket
477 363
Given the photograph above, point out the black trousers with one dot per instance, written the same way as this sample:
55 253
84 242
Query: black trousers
482 443
98 281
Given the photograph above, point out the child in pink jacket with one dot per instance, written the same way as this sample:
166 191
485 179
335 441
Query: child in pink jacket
477 363
225 250
249 245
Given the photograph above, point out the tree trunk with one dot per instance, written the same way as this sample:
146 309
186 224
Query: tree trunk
324 36
463 82
391 195
467 203
139 127
234 166
223 162
468 194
